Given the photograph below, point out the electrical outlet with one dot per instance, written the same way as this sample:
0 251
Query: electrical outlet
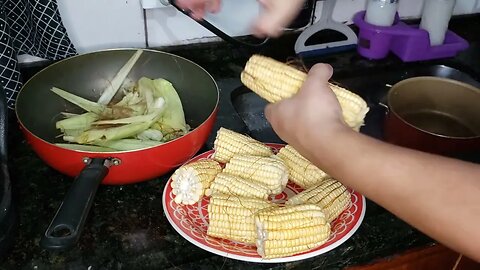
153 4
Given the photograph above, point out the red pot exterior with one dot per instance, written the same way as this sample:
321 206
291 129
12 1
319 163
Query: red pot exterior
400 133
136 166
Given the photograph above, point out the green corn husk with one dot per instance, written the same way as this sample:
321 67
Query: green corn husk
82 121
130 98
119 112
151 134
119 79
129 120
149 114
68 115
173 135
173 118
83 147
109 134
73 132
85 104
128 144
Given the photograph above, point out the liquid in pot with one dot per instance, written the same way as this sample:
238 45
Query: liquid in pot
439 123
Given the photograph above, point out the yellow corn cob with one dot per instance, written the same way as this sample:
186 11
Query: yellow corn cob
228 143
232 217
237 186
190 181
301 171
331 195
270 171
274 81
285 231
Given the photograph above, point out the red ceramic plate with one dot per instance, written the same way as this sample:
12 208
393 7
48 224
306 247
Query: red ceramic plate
191 222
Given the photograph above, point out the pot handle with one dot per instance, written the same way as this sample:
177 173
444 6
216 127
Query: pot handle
217 31
66 227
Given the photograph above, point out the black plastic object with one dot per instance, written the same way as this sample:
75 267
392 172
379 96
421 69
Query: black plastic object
219 32
67 225
8 216
306 15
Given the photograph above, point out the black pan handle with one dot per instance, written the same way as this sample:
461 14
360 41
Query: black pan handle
66 227
217 31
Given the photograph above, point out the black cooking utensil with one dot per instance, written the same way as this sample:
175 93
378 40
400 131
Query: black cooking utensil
219 32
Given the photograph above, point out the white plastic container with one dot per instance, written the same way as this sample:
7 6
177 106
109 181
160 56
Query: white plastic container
381 12
436 15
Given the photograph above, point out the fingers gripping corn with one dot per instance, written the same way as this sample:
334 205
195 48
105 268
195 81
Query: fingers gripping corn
228 143
232 217
237 186
190 181
270 171
301 171
284 231
274 81
331 195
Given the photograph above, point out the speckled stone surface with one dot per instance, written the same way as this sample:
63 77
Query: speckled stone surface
126 227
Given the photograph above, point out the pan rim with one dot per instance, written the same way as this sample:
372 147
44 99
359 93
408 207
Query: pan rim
211 115
448 80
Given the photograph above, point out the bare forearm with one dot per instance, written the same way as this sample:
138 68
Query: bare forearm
438 195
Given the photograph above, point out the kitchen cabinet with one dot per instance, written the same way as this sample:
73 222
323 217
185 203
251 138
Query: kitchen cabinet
435 257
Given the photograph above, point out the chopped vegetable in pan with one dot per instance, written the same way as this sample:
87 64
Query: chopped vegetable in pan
149 113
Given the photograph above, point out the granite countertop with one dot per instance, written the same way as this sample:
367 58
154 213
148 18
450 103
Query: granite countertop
127 228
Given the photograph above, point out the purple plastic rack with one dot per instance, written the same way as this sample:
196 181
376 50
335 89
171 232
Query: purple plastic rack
408 42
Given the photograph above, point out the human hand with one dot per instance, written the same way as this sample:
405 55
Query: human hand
199 7
312 117
276 15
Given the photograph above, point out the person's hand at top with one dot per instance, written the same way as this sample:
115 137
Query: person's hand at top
276 14
200 7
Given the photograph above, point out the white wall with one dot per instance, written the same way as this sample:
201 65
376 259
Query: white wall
103 24
100 24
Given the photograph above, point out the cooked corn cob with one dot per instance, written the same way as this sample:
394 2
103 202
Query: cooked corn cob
270 171
237 186
331 195
232 217
190 181
301 171
274 81
228 142
284 231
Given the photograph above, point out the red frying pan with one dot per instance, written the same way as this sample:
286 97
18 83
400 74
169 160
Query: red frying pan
38 109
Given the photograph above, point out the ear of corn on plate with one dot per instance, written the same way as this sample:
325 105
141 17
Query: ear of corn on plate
227 225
